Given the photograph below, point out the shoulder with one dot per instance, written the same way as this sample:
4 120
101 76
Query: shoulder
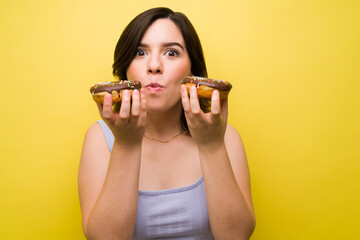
94 146
235 147
239 162
233 138
94 129
95 138
231 131
94 160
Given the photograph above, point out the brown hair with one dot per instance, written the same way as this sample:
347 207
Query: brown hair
131 36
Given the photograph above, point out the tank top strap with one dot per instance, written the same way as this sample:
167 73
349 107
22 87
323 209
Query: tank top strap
109 137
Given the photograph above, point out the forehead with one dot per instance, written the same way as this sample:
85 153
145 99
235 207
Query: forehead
162 30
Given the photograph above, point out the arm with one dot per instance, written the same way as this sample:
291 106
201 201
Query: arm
227 185
108 182
224 168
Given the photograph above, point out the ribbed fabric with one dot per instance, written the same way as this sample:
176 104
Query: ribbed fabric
179 213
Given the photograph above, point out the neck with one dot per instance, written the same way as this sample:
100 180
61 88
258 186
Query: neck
164 125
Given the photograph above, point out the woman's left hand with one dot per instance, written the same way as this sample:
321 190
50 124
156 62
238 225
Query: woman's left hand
207 129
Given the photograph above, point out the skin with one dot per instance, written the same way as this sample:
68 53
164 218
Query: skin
109 182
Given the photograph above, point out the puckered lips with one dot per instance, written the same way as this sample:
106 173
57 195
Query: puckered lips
154 87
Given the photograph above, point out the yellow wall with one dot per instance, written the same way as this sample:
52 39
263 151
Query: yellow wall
295 68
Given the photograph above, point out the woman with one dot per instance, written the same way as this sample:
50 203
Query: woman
161 167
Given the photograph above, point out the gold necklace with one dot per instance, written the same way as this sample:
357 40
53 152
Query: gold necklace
161 140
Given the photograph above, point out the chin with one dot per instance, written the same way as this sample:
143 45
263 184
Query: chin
162 107
156 109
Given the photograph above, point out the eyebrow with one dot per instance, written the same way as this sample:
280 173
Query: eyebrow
165 44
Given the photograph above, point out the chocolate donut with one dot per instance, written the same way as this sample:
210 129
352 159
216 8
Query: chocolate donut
205 86
116 88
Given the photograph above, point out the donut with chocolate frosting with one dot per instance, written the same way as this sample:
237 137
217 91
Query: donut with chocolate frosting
116 88
205 86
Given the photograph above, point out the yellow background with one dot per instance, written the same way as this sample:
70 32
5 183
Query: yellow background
295 67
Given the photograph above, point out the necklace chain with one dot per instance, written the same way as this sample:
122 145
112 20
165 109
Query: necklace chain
166 141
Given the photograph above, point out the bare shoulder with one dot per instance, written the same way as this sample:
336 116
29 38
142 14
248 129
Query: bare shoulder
239 163
94 132
231 132
93 166
234 143
94 145
95 155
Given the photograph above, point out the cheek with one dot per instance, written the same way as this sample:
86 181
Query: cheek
130 71
183 69
135 71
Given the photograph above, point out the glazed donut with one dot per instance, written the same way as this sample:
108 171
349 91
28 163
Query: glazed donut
116 88
205 86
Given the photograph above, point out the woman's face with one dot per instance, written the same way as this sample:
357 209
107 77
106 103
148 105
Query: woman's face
161 62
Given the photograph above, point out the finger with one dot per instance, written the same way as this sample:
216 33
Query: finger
194 101
143 108
143 103
185 98
125 105
224 107
107 106
215 102
135 106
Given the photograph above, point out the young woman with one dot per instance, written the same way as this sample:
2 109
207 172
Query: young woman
161 168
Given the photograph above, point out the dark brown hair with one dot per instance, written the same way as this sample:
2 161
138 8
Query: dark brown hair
130 38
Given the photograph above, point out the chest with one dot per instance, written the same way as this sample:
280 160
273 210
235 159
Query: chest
173 214
167 166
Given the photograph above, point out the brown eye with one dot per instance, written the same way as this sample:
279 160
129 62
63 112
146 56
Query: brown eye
172 53
140 53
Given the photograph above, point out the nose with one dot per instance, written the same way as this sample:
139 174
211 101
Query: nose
155 65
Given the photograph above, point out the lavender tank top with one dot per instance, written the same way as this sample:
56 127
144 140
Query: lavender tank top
179 213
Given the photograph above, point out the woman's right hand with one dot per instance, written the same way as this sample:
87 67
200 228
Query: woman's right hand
128 126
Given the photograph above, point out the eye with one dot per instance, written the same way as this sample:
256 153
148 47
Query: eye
140 52
172 53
